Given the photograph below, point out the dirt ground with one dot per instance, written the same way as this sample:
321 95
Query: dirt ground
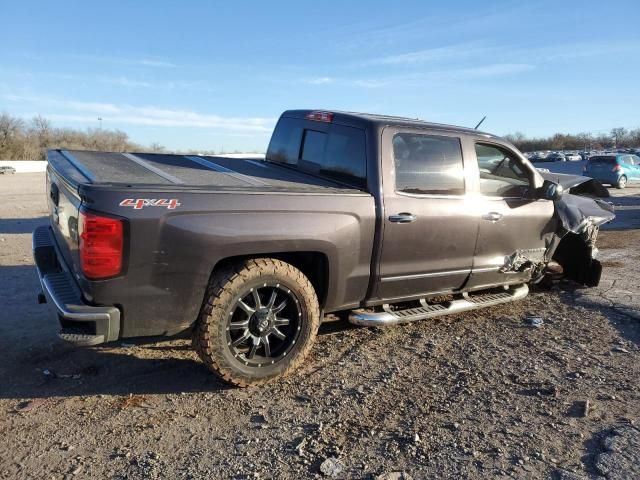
475 395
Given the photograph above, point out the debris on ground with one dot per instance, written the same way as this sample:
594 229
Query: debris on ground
534 321
30 405
581 408
619 349
331 467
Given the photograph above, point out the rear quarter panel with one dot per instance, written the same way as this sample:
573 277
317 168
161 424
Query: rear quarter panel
172 253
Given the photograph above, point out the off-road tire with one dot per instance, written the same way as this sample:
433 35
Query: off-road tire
226 285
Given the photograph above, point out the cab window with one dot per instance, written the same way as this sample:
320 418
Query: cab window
500 172
428 164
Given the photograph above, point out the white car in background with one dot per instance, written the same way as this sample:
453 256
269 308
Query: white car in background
572 157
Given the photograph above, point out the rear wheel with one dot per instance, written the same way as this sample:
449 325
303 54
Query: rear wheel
622 182
258 322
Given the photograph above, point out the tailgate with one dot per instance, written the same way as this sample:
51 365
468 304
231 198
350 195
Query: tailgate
63 205
601 165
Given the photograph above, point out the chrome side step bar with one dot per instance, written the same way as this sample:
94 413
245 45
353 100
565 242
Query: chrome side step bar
464 303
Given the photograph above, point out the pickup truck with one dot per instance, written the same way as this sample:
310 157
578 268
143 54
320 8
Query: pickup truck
381 219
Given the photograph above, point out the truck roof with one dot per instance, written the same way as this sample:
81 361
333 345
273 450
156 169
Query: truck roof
365 120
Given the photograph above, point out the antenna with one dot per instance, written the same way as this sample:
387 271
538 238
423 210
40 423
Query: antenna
480 122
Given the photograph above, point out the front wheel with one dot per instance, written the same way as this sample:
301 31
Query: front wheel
258 321
622 182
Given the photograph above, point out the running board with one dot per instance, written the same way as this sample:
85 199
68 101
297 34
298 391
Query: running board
464 303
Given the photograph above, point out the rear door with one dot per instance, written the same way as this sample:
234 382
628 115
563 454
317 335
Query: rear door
511 225
430 228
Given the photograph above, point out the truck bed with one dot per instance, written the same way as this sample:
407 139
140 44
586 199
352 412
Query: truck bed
179 172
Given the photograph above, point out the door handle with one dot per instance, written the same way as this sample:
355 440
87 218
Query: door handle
402 218
492 216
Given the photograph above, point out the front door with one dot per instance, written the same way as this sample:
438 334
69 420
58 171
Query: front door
430 226
513 226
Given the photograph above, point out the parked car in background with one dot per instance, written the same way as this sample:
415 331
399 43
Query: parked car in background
556 157
614 169
537 156
7 170
552 157
572 157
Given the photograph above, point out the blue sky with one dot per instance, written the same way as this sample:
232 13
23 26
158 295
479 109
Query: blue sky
212 75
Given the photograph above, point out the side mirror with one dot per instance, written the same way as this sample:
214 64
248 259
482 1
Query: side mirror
551 191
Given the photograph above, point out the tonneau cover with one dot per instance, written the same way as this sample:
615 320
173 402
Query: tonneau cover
180 171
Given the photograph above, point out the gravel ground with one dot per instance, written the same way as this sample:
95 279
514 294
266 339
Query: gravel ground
475 395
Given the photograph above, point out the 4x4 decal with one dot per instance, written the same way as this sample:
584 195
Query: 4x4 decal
139 203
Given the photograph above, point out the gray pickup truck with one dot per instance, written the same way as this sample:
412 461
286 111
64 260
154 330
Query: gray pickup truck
383 219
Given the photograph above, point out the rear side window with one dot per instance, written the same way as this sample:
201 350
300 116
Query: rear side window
345 158
428 164
338 153
285 142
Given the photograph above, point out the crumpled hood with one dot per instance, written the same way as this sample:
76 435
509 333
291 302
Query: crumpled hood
577 184
577 212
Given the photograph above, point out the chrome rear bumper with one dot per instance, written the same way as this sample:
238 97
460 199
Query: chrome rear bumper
82 324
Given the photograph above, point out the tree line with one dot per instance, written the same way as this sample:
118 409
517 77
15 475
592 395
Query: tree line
30 140
618 138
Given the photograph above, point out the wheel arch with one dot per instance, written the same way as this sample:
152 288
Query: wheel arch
313 264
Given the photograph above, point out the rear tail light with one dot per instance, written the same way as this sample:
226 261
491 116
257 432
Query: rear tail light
101 245
320 116
616 168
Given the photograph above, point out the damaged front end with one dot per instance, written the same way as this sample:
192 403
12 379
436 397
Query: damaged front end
580 213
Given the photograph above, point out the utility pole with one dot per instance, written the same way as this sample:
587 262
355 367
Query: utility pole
100 120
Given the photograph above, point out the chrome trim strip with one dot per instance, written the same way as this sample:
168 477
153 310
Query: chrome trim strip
485 269
143 163
259 163
434 195
79 166
219 168
424 275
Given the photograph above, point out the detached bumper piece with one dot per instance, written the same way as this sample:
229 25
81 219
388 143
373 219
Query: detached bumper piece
465 302
82 324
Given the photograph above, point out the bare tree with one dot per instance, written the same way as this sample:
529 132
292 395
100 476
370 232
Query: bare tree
155 147
618 135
